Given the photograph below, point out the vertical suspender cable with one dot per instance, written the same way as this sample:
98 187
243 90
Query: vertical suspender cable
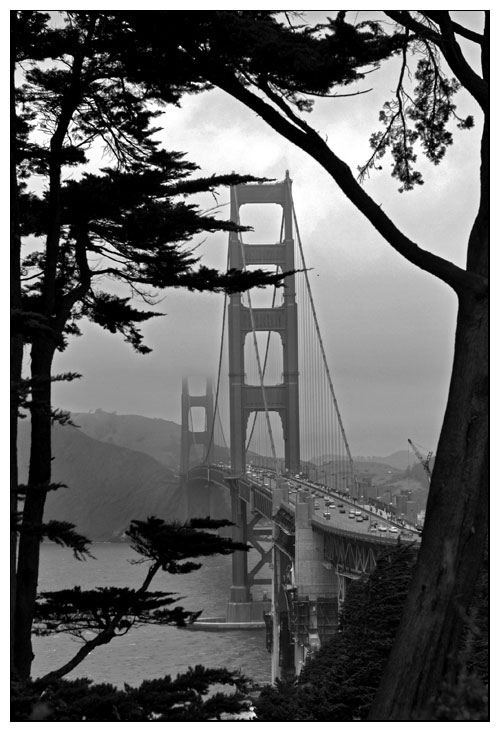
325 363
221 351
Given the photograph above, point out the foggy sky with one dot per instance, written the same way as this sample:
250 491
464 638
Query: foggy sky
388 327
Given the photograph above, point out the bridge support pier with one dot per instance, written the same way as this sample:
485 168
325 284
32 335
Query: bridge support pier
317 585
242 608
306 587
240 591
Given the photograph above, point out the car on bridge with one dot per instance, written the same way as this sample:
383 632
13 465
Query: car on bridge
326 514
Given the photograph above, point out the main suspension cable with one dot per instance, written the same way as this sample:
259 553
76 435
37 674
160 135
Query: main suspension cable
322 348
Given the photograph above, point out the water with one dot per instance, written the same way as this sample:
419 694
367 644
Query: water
152 651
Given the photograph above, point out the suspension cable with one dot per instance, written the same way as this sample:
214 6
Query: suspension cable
323 355
216 404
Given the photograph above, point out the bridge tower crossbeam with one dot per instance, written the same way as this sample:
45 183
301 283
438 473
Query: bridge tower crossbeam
282 398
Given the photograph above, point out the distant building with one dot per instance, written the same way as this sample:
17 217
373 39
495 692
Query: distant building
366 488
401 504
411 512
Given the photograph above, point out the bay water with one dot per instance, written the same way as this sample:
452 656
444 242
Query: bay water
151 651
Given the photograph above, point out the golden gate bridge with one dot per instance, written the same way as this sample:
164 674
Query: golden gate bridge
274 453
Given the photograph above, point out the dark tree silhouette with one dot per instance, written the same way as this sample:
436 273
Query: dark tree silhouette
109 612
190 697
339 683
75 87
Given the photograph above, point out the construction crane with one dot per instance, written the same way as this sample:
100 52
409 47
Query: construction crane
425 461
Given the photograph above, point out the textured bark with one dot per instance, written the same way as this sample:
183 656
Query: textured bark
16 357
16 341
42 353
453 539
457 515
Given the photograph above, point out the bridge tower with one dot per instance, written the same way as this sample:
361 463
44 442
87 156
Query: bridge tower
191 438
282 398
282 319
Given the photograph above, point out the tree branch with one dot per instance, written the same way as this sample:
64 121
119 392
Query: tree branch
85 275
102 638
450 49
311 142
457 28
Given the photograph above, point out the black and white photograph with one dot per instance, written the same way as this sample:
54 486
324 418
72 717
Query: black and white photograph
249 365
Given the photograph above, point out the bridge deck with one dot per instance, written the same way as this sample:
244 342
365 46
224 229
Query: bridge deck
259 486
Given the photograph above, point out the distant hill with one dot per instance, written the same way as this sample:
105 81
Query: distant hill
374 467
398 460
108 485
158 438
124 466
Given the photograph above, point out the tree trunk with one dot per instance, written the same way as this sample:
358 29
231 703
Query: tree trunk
104 637
16 360
425 648
42 353
16 338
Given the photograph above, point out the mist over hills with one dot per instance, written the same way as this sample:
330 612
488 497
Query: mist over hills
108 485
400 460
161 438
120 467
158 438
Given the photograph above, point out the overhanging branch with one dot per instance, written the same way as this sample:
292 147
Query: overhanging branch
449 47
311 142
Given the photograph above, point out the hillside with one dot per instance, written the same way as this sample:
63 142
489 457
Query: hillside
108 485
399 460
374 467
123 466
158 438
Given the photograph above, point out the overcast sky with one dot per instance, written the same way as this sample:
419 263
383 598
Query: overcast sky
388 327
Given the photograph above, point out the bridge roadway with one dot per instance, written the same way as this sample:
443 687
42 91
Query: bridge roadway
314 557
256 489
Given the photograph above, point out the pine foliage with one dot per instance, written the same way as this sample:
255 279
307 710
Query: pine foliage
339 682
130 222
100 245
77 612
166 544
95 617
237 51
198 695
